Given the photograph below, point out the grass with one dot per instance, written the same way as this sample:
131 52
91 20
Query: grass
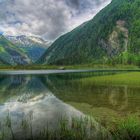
27 67
130 78
104 115
83 66
78 129
102 66
127 129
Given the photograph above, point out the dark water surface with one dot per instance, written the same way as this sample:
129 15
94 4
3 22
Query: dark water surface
44 99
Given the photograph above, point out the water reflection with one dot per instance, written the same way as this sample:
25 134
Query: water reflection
46 111
121 99
50 97
23 96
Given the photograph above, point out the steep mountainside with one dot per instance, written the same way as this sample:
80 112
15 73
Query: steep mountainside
112 36
33 46
10 54
21 50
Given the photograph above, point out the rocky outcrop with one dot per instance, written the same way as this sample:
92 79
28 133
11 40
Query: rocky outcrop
117 41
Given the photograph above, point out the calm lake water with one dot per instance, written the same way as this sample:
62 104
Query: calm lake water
47 98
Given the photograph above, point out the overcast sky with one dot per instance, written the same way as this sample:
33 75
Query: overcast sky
46 18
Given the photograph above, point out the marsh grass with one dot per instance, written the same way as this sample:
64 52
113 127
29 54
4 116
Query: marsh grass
82 66
127 129
73 129
76 129
130 78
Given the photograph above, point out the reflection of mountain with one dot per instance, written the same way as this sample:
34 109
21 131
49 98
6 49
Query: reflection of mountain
28 96
17 86
44 96
46 112
117 98
69 89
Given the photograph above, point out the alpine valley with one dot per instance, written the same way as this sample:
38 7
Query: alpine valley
82 85
21 50
111 37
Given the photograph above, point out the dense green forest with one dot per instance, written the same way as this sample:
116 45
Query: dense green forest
111 37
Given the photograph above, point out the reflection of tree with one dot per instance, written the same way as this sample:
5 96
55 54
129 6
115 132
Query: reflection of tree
119 99
17 80
69 88
20 86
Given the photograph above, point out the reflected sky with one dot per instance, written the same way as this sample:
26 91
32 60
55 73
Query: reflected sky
48 98
26 96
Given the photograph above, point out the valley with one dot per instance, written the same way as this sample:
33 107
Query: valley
108 40
21 50
70 70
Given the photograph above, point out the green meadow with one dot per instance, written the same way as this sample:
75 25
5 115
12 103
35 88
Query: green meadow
130 78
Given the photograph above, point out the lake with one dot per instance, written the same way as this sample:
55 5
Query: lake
45 99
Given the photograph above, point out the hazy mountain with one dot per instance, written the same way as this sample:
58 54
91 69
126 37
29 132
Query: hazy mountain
10 54
112 36
33 46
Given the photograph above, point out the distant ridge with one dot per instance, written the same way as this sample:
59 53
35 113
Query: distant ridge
21 50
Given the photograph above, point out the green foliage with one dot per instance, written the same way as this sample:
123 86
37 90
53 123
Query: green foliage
76 129
83 44
126 58
128 128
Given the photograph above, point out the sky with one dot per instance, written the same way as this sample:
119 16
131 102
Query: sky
46 18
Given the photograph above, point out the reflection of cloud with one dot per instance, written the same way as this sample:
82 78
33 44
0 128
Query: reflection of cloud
48 18
45 110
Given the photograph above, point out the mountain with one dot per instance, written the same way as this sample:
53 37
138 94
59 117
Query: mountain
111 37
21 50
32 46
10 54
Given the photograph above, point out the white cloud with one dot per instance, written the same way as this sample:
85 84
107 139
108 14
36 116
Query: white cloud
48 18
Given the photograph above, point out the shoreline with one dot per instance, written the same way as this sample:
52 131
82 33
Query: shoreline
39 72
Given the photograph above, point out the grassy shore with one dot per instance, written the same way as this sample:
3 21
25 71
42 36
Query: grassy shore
130 78
127 129
84 66
78 129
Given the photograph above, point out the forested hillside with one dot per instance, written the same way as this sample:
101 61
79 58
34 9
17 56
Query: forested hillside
111 37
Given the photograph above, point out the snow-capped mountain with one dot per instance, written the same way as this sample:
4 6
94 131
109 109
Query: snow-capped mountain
27 40
33 46
11 54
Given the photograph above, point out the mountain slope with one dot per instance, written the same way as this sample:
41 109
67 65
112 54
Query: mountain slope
9 54
112 36
33 46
